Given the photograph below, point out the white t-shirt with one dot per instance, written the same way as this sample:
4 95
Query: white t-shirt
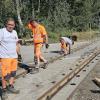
8 42
67 40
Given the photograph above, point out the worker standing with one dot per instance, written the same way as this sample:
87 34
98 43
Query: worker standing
8 57
39 38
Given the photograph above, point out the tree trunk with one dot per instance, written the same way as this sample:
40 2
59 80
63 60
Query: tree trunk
32 6
39 6
19 16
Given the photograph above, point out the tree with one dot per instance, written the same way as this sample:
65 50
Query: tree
17 2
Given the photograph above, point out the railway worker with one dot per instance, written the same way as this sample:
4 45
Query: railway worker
39 38
65 45
8 57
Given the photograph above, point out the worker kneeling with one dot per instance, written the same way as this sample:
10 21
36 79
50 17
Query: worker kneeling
66 45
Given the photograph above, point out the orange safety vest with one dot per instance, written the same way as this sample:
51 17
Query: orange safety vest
63 46
38 33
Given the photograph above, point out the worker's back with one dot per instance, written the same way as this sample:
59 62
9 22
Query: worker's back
67 40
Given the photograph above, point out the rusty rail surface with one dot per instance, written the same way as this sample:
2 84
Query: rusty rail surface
54 89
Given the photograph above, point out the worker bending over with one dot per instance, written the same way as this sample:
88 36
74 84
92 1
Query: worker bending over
65 45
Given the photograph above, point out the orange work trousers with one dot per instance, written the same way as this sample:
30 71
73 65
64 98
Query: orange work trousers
8 67
63 46
37 49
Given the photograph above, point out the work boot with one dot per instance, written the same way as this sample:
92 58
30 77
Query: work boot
4 94
37 66
35 70
11 89
45 64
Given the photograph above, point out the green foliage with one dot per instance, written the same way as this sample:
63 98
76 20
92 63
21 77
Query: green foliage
58 16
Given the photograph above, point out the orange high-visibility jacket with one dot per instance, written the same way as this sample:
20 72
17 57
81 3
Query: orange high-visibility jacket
38 33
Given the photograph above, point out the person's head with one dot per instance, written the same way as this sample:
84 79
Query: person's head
10 24
74 37
34 22
61 40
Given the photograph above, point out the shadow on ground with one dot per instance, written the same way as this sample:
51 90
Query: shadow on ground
55 52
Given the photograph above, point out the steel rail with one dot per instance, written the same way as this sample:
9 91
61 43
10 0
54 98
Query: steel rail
23 72
59 85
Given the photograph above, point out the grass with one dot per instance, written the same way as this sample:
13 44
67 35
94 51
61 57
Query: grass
87 35
81 36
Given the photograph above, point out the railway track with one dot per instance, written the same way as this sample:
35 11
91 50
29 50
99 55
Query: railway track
23 72
47 83
67 77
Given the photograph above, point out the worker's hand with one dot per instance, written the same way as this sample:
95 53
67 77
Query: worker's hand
46 45
19 57
20 41
65 54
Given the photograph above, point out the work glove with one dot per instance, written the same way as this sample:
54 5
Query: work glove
19 57
46 45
